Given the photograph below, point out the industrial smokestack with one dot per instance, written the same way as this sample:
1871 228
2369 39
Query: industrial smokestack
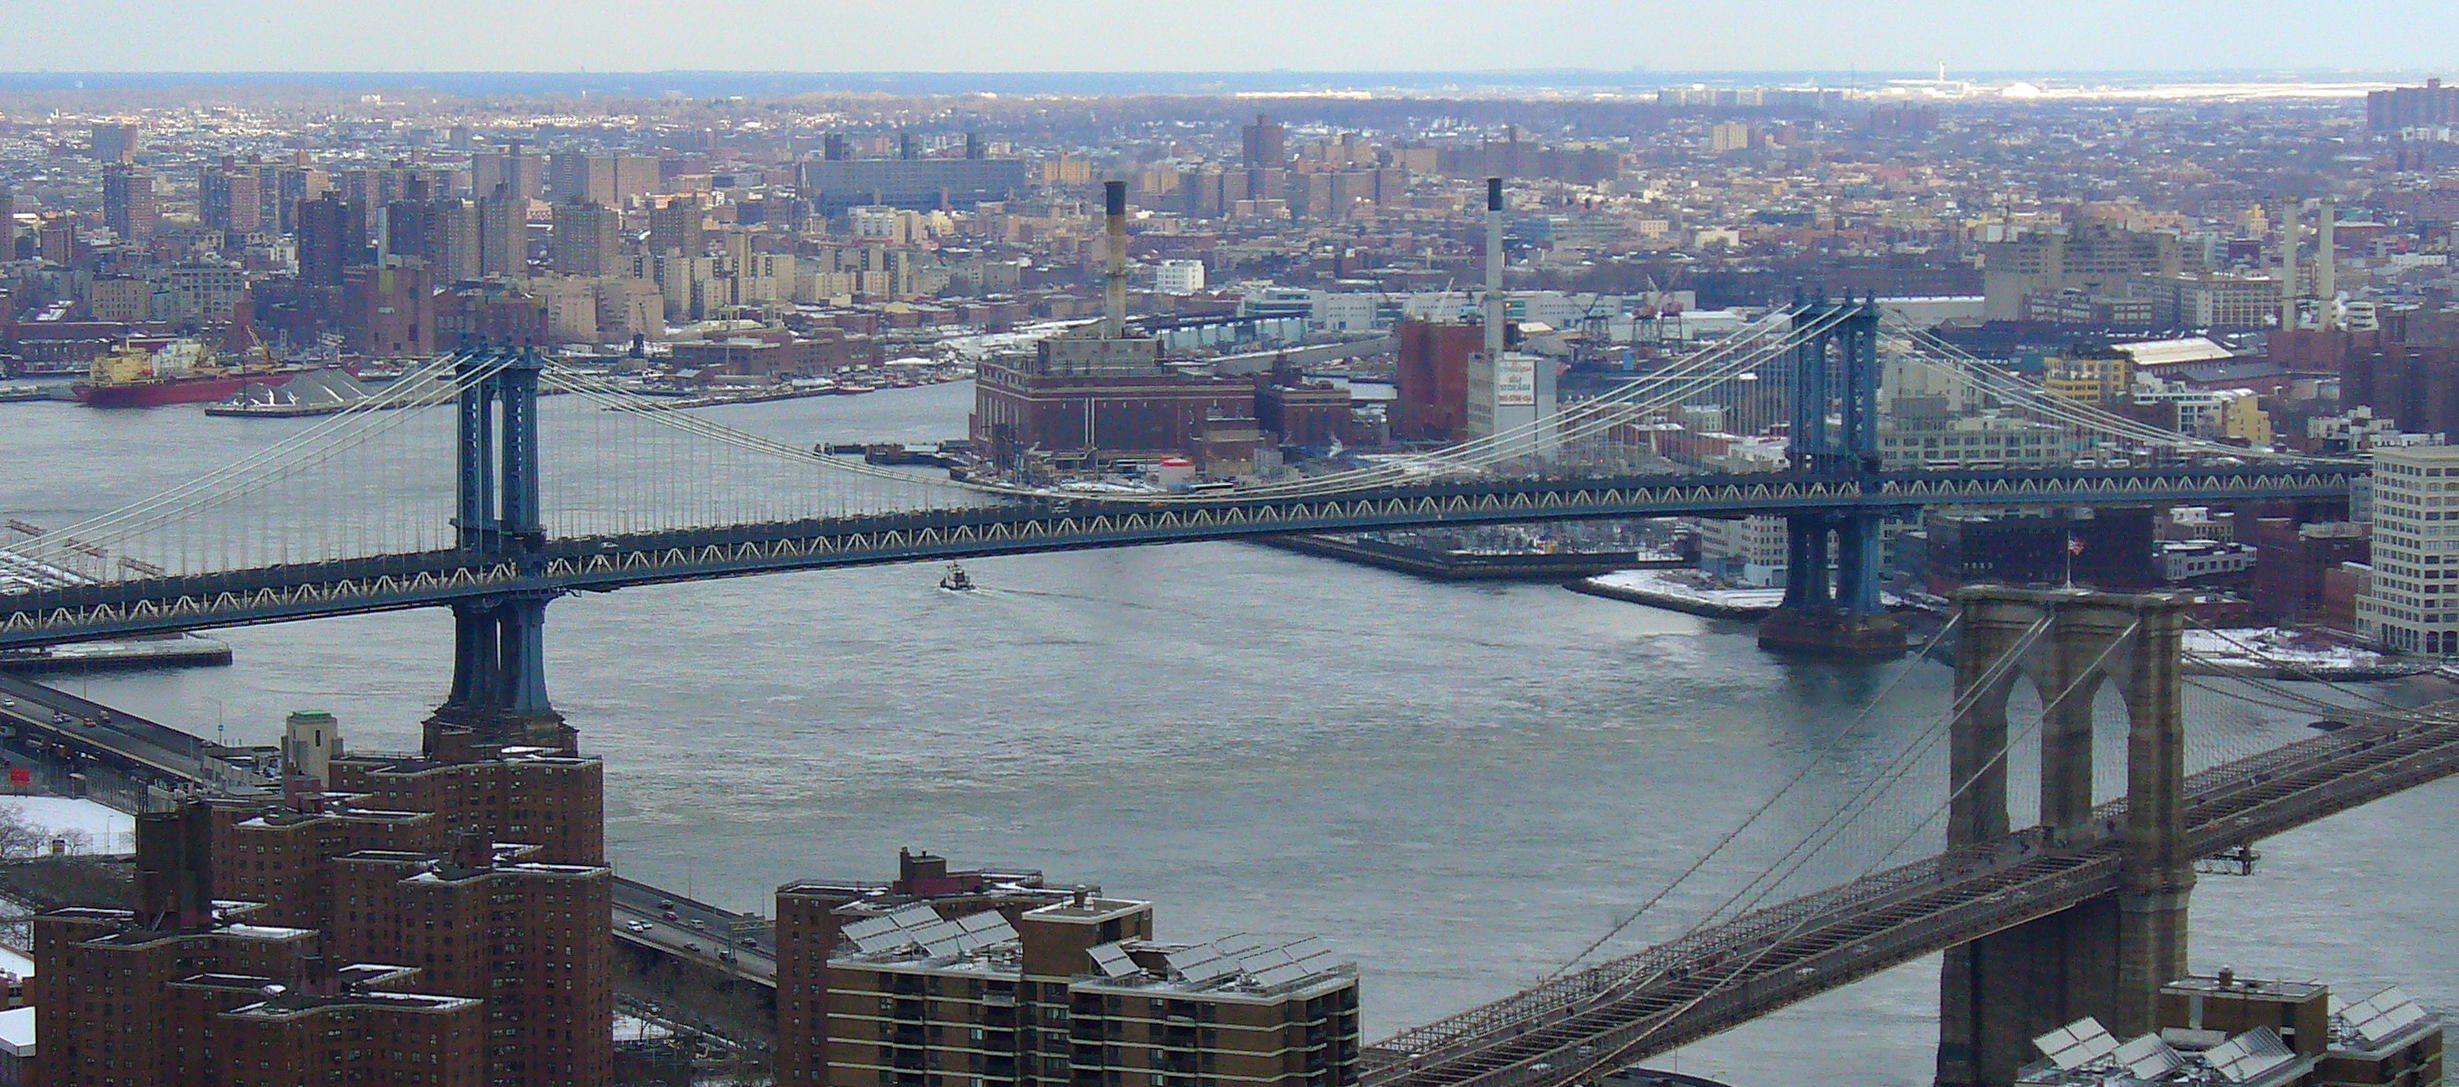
1494 271
1114 310
2288 265
2326 266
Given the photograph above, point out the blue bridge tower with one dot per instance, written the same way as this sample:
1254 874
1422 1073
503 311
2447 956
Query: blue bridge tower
1832 559
499 670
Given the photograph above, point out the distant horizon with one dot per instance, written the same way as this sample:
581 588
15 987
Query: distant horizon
1253 38
751 82
1952 72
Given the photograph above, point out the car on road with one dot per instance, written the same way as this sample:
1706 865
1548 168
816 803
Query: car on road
751 941
700 923
688 946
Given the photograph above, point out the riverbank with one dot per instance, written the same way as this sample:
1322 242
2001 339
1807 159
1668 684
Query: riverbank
1467 565
1680 592
182 651
2273 653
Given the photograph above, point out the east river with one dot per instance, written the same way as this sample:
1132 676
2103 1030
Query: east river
1458 786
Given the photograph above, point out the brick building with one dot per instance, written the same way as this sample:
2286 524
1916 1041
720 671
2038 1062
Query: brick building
1310 414
1432 381
2415 386
2292 562
492 311
481 878
389 311
180 991
1098 394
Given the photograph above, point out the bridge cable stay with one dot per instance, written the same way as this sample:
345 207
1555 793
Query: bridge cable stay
732 486
1735 356
315 444
1749 350
1616 1059
1816 760
1984 376
1647 966
358 506
1605 981
2291 666
1584 419
1632 971
617 399
2283 697
187 541
2088 416
1895 771
205 489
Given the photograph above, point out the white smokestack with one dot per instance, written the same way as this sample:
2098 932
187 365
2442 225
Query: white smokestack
1494 271
2288 265
2326 265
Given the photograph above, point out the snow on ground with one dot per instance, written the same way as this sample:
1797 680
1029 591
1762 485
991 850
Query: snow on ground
1683 585
632 1028
87 827
2274 648
15 962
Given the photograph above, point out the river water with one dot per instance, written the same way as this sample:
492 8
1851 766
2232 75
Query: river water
1459 786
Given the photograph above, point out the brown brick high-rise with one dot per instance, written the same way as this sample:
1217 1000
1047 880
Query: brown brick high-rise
177 993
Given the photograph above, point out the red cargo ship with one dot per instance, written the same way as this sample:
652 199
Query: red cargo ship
181 373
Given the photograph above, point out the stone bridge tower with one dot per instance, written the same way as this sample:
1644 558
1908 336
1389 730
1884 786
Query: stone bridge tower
2107 957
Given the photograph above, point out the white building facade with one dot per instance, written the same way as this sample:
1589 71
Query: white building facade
2410 603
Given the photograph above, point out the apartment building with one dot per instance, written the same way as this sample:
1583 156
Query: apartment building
998 981
2410 600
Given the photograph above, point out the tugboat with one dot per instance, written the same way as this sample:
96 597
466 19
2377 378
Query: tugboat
956 580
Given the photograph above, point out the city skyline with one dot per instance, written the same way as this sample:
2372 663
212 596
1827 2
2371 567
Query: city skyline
1108 36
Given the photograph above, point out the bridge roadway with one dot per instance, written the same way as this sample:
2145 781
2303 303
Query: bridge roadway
602 563
1600 1019
695 932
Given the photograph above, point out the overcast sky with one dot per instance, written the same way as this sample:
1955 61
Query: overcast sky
1223 35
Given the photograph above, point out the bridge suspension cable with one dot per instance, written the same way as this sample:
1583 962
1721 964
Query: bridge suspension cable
2090 417
1754 346
681 470
1816 760
1602 983
170 532
1617 1057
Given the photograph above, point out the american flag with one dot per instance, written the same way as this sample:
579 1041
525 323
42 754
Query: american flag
2074 544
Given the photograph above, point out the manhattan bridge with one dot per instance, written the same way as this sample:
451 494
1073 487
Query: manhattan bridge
492 481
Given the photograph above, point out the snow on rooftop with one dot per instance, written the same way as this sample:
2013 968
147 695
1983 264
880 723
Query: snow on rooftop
2174 352
17 1032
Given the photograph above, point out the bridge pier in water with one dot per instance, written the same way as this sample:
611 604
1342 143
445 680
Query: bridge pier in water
2107 957
1837 366
498 694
